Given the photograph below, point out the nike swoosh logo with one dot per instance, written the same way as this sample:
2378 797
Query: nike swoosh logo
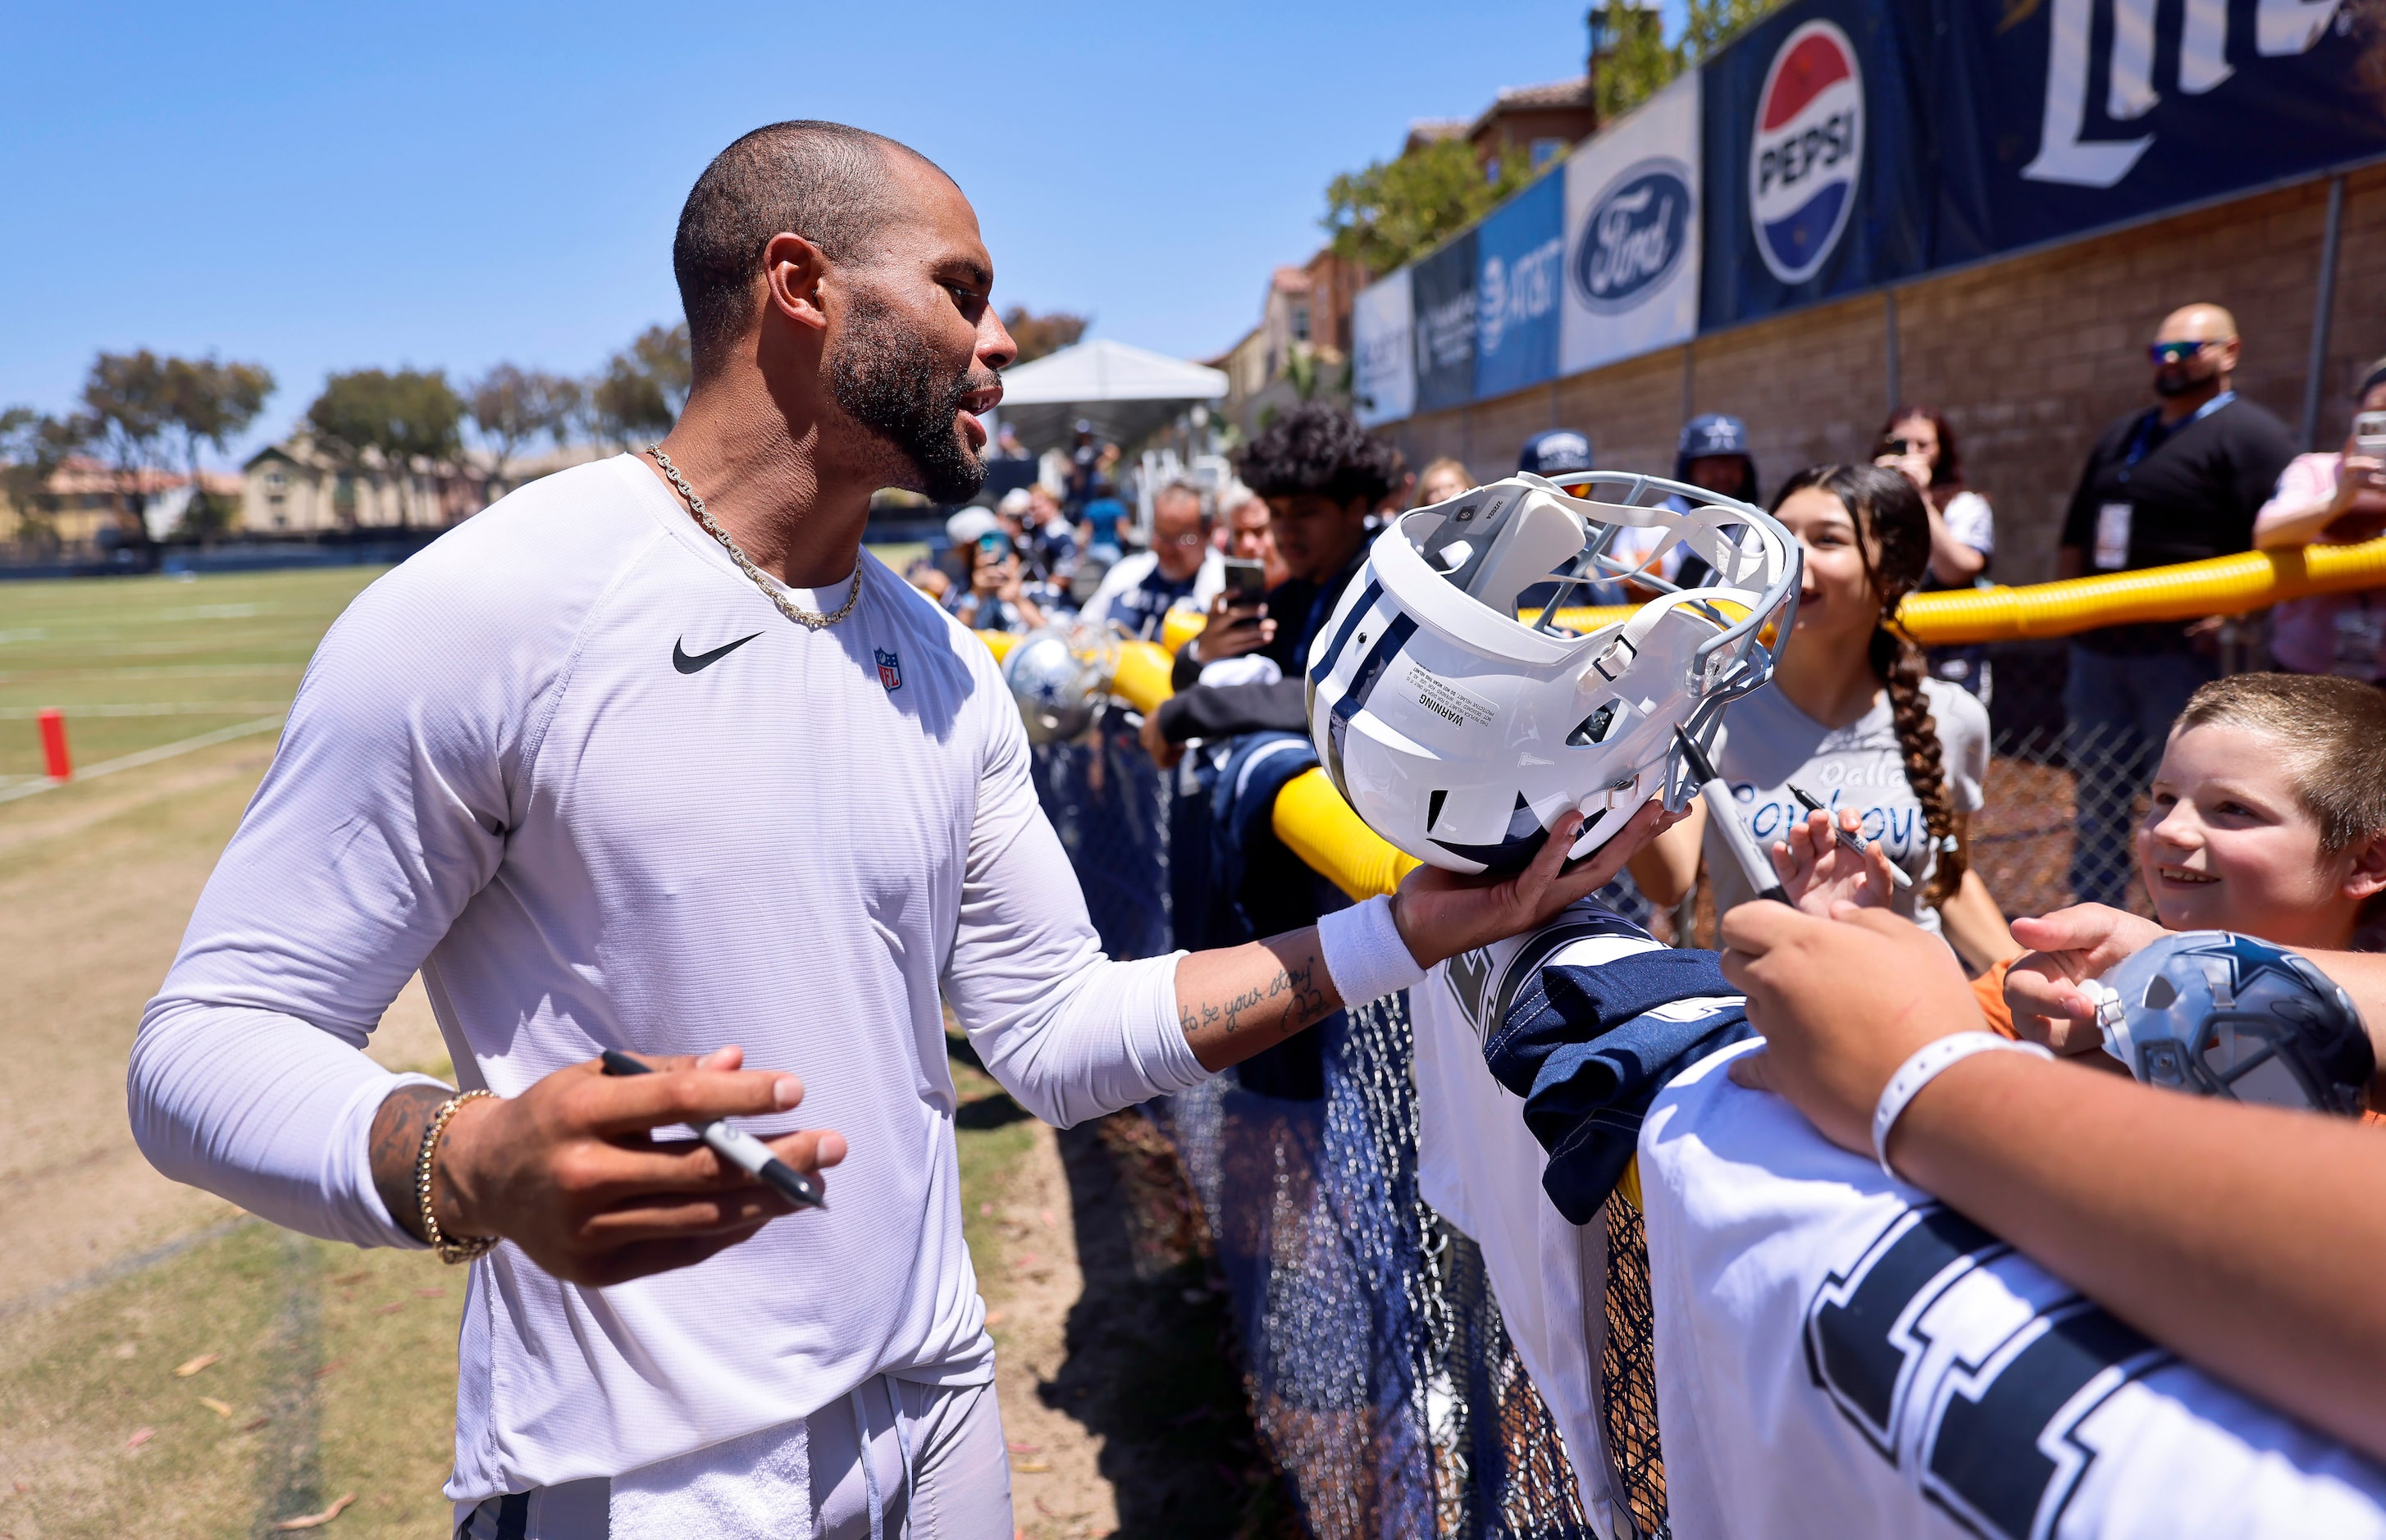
686 665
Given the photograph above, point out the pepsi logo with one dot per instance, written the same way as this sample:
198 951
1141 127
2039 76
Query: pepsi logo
1634 238
1808 150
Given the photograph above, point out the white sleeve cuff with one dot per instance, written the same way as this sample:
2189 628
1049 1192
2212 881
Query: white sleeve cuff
1363 952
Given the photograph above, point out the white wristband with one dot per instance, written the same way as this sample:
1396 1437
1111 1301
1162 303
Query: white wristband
1363 952
1925 1066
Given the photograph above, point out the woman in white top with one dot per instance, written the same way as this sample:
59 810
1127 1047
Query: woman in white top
2326 499
1919 441
1852 720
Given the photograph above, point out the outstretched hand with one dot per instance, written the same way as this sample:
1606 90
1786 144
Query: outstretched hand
1819 873
1842 1002
2069 946
1442 913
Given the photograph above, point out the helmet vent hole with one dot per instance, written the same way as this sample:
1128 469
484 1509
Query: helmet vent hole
1595 727
1433 809
2161 994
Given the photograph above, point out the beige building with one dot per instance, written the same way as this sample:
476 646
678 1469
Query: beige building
88 502
297 487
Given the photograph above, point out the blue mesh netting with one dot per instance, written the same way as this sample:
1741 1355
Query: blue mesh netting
1380 1373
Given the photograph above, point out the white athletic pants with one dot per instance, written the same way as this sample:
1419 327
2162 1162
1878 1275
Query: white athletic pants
892 1460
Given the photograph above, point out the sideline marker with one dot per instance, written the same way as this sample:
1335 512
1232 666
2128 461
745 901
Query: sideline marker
53 745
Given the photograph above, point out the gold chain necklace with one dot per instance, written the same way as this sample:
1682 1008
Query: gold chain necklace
812 620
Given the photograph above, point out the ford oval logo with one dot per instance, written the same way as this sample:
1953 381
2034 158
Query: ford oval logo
1634 237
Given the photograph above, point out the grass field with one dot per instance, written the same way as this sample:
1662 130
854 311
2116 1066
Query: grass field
325 1371
140 662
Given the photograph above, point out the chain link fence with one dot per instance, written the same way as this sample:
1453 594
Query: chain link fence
1379 1370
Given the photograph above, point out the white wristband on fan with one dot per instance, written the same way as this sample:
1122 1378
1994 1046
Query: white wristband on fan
1925 1064
1365 954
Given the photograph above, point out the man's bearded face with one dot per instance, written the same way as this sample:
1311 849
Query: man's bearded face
890 380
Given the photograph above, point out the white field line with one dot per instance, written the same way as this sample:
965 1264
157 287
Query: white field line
150 708
147 757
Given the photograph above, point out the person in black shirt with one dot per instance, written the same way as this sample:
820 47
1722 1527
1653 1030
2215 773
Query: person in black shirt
1321 476
2177 481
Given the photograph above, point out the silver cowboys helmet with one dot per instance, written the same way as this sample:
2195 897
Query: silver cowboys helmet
1462 734
1059 678
2221 1014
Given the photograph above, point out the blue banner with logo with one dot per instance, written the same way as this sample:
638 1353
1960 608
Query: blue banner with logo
2061 116
1519 263
1441 292
1817 157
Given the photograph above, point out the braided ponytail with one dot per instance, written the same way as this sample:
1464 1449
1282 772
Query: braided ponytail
1893 531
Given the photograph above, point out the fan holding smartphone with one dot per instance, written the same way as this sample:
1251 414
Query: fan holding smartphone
2333 498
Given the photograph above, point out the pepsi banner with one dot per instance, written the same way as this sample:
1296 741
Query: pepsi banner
1382 362
1816 156
1632 233
2065 116
1519 249
1442 295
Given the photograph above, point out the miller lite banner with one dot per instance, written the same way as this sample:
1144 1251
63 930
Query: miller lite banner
2073 115
1632 233
1816 158
1519 255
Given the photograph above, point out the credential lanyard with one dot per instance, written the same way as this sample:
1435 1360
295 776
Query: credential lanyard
2150 435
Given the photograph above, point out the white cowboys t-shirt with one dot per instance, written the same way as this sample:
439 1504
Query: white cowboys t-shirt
573 766
1842 1357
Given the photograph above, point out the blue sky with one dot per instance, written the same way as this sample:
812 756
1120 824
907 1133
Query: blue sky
323 188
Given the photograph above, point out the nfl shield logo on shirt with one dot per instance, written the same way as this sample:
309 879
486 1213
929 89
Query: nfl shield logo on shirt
890 668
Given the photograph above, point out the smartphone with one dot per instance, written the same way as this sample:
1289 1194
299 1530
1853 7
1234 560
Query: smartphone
2369 435
1898 446
994 546
1246 579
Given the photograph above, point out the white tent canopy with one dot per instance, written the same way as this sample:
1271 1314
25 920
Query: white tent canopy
1126 391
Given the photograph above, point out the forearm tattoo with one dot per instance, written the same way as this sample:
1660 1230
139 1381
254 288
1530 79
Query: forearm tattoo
1286 1003
396 1142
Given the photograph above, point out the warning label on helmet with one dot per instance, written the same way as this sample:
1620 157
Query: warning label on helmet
1441 697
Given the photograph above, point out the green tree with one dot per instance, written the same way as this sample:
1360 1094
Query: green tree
209 402
1637 62
32 445
1039 336
1397 210
127 408
400 417
639 393
511 406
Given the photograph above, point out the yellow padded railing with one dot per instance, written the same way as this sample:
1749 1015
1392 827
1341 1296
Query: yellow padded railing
1316 823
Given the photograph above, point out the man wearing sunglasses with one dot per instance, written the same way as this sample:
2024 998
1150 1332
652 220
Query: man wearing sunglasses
2178 481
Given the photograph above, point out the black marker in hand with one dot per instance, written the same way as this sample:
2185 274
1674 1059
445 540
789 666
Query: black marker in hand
1725 815
737 1146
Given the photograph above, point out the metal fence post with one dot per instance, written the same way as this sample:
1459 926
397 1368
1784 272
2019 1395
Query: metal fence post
2323 306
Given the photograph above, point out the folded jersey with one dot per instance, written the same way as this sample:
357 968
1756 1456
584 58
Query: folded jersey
1587 1019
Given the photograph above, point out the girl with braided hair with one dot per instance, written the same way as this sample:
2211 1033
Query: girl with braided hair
1852 718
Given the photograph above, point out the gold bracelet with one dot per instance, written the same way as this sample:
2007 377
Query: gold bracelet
449 1249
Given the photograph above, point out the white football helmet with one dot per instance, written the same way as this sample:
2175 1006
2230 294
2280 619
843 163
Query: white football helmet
1461 732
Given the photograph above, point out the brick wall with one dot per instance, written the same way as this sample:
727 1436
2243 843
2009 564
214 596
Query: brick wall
2030 358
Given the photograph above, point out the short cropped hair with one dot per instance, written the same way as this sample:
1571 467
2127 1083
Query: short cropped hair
2331 729
1181 488
824 182
1315 448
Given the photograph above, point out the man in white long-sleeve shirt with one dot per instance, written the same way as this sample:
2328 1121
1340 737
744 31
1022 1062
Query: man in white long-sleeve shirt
652 756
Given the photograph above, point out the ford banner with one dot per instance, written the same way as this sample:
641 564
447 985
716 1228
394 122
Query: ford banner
1519 250
1383 364
1632 233
1816 156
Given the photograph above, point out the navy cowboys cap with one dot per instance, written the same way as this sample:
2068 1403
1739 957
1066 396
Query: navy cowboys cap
1555 453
